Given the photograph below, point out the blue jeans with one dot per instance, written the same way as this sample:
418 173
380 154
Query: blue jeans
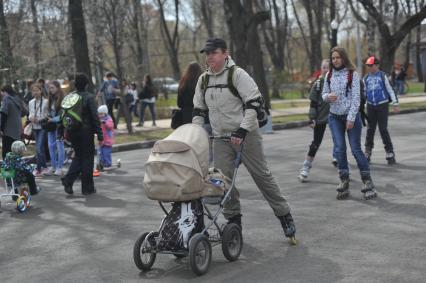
56 150
105 155
400 87
337 124
39 136
151 108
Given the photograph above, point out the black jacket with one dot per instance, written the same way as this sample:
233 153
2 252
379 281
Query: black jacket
185 102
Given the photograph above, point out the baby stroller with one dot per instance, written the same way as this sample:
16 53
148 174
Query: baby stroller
177 172
19 193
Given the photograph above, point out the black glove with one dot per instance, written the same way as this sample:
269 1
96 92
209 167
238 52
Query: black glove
239 134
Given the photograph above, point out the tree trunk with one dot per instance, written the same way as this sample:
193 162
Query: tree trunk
136 24
36 40
171 40
206 12
333 41
116 12
314 9
275 38
407 51
242 23
79 39
371 36
419 71
6 56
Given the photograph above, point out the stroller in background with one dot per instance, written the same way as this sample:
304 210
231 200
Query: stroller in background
177 172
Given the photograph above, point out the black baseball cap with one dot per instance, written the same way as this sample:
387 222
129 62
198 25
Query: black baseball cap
213 44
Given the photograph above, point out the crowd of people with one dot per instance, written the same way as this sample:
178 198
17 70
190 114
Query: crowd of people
229 105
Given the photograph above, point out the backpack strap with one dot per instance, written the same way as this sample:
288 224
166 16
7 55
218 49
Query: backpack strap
328 77
230 83
231 86
350 79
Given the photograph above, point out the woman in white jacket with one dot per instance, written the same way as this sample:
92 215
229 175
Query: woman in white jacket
38 108
342 90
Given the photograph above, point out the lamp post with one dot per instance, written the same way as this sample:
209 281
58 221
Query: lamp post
334 25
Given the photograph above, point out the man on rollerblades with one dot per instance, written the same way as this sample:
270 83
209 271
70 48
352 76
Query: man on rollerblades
231 99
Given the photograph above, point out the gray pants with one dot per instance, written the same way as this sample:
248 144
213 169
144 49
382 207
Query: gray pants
253 158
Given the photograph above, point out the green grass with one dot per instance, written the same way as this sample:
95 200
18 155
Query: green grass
142 136
171 102
412 105
289 118
415 87
291 104
293 94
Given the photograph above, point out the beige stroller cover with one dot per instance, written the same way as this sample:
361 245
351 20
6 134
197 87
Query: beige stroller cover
178 165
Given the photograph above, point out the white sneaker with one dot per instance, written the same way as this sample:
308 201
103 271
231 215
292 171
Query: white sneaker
47 171
58 172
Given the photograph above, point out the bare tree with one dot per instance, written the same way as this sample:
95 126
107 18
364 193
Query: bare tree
36 39
243 22
171 39
275 38
115 11
370 25
314 11
389 43
420 75
6 56
79 39
206 12
136 37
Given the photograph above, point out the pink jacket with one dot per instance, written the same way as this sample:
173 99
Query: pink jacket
107 130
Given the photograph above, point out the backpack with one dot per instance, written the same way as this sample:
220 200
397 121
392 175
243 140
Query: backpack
72 106
258 105
362 95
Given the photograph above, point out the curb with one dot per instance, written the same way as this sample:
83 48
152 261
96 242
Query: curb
275 127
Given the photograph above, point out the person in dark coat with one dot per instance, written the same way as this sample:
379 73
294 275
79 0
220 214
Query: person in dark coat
10 118
82 141
186 90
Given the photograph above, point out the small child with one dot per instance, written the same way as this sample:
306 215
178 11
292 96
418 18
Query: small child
23 170
107 125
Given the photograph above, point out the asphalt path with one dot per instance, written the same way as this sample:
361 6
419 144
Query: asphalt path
90 239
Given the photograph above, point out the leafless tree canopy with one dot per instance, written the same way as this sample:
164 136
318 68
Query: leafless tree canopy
277 41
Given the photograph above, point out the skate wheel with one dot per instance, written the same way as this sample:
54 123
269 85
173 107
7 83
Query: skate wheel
292 241
118 163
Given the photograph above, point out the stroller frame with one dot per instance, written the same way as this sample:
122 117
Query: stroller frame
229 235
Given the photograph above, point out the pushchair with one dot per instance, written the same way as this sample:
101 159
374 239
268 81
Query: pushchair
177 172
20 193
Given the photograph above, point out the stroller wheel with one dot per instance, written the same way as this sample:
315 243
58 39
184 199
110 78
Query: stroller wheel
232 241
142 251
200 253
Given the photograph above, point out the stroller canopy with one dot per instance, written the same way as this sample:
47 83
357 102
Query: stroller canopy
196 138
178 165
